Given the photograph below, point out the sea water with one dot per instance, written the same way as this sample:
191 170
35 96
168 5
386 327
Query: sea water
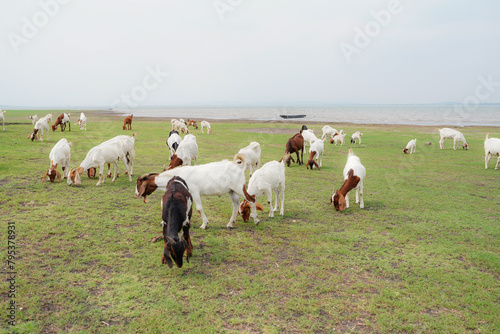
451 115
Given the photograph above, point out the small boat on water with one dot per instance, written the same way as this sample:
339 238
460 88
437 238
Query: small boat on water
292 116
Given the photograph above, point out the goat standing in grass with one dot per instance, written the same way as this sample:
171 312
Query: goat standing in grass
177 209
354 175
2 117
316 153
491 147
411 146
294 145
127 122
59 155
447 133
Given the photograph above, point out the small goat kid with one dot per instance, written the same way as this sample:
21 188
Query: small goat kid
59 155
491 147
41 126
177 209
316 152
356 135
294 145
216 178
205 124
127 122
354 175
447 133
411 146
269 178
82 122
339 138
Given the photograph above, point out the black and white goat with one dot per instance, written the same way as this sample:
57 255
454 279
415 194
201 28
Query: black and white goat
177 208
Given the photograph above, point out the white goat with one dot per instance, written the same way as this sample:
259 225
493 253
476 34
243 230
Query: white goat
447 133
269 178
491 147
356 135
33 118
82 122
252 156
205 124
339 138
173 142
329 131
411 146
2 117
215 178
309 137
316 152
179 126
40 126
354 175
98 156
187 151
59 155
129 151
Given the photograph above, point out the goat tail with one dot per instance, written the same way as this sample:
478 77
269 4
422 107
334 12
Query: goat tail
247 195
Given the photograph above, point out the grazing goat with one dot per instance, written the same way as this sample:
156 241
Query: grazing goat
82 122
294 145
60 154
129 151
269 178
338 138
354 175
411 146
252 156
173 142
309 137
187 151
356 135
216 178
491 147
205 124
316 152
98 156
329 131
177 208
63 119
192 123
2 117
127 122
179 126
33 118
447 133
40 126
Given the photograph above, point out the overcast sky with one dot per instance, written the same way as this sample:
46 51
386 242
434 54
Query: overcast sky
179 52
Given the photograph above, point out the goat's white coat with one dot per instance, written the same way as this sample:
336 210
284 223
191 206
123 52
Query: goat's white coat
328 131
33 118
188 150
447 133
354 163
128 147
43 125
412 146
82 122
319 147
252 156
179 126
61 155
339 138
356 135
269 178
205 124
491 147
216 178
172 139
309 137
2 117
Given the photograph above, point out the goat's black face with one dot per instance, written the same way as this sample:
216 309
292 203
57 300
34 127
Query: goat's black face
174 252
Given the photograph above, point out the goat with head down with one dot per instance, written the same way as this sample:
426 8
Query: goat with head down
294 145
177 210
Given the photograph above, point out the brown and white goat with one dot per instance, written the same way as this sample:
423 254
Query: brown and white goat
127 123
354 175
60 154
316 152
192 123
294 145
62 120
187 151
177 208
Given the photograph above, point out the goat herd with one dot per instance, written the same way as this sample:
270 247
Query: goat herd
184 184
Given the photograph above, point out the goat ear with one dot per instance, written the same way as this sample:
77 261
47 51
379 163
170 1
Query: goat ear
259 206
316 164
247 195
45 176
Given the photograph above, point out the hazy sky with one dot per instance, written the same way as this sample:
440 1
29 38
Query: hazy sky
178 52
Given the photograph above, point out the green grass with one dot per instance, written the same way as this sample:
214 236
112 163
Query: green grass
423 256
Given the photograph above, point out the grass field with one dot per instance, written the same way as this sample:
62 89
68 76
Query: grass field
423 256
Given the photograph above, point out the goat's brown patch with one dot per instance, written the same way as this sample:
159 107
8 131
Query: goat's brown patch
350 183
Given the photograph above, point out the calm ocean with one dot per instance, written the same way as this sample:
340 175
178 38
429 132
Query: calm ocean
452 115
